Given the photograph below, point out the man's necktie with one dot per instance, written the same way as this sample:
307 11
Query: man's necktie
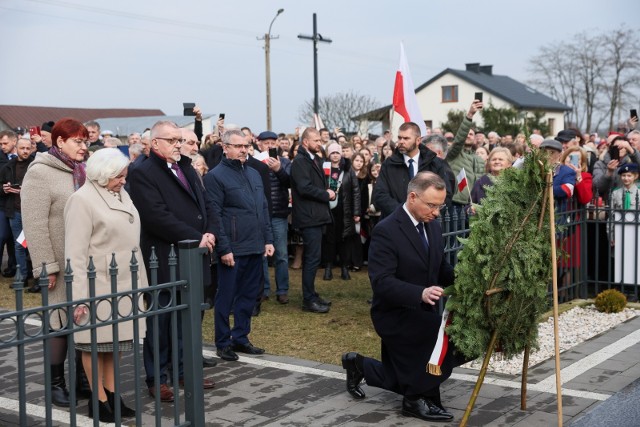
627 199
412 171
420 228
181 177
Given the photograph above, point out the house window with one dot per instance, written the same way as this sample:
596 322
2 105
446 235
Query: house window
551 123
450 93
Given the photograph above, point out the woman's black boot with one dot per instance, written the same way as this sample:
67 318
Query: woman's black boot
59 392
125 411
105 414
328 274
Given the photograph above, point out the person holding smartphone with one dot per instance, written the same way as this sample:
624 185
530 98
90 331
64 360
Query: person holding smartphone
11 176
279 172
604 172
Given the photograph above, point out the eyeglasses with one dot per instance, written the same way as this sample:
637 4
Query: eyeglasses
430 205
245 146
171 141
79 142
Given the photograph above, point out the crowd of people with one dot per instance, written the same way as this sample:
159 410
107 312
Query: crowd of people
309 200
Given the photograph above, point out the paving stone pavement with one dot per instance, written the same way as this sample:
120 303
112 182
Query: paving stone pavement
600 379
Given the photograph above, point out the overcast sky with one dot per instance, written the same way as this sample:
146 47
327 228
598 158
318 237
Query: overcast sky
158 54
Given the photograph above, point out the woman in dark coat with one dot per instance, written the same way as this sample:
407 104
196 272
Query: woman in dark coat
346 213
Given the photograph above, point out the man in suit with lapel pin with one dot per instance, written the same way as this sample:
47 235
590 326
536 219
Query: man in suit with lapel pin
173 206
408 272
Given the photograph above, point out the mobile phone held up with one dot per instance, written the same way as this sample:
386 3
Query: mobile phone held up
478 96
634 114
574 158
34 130
273 153
221 117
614 152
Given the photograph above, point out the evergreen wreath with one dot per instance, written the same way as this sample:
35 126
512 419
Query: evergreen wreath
509 254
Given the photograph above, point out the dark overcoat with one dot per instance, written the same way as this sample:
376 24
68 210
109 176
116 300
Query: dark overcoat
310 200
170 213
399 269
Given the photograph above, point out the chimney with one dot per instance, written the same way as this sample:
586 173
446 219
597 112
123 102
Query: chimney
474 66
486 69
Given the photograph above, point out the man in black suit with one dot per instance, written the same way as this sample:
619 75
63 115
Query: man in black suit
173 207
408 271
409 158
310 214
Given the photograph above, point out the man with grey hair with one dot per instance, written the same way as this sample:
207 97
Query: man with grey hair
408 272
494 139
436 143
133 138
173 206
189 147
94 133
244 239
634 139
145 140
535 140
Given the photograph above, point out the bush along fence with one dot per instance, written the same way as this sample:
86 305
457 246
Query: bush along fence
598 248
27 331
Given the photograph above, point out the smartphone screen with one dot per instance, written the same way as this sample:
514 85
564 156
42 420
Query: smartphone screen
478 96
614 152
222 116
575 159
634 113
273 153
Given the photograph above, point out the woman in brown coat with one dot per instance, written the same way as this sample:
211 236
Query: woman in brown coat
51 178
101 221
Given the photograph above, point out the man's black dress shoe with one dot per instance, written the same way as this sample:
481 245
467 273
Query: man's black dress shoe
247 348
425 409
353 362
315 307
322 301
208 362
227 354
9 272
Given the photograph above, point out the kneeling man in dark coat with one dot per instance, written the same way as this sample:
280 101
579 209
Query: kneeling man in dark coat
408 271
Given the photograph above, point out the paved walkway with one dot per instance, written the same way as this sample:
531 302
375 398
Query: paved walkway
599 389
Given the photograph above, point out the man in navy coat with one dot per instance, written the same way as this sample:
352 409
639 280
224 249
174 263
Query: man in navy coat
172 205
408 271
244 239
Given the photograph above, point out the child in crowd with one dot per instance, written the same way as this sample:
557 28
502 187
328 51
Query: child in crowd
626 197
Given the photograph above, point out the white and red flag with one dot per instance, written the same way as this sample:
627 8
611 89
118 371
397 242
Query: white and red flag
462 180
22 240
405 102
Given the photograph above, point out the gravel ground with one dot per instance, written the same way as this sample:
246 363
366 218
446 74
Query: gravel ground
575 326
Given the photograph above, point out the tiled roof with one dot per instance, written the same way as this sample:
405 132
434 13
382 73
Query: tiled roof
25 116
518 94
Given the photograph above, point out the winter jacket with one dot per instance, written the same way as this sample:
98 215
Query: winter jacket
390 190
237 193
458 158
280 184
349 196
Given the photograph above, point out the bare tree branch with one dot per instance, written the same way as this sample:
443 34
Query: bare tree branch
336 110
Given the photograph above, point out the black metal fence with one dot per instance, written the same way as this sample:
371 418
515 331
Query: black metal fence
27 332
597 247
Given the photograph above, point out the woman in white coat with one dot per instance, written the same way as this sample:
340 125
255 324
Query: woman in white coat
101 220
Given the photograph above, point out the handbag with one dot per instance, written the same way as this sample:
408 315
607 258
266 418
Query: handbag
333 203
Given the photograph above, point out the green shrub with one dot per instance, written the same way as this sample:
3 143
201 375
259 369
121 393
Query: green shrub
611 301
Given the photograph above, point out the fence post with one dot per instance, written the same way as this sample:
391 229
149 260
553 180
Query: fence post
190 261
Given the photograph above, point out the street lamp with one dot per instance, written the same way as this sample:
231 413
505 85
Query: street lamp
267 45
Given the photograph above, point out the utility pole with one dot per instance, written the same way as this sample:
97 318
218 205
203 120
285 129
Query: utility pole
267 64
315 38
